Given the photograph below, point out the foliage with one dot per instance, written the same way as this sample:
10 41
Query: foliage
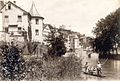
31 46
12 64
54 68
29 32
34 69
107 33
56 44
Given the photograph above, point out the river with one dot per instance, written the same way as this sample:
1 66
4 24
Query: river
111 68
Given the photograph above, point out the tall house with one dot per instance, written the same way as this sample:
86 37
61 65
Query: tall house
36 24
16 20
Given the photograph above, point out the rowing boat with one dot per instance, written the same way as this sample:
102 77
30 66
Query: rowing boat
94 75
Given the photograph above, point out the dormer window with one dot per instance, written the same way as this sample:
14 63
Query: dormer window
37 21
9 6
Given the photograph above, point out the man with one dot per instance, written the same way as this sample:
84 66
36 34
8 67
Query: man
99 68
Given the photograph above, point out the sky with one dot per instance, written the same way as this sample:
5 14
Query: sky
77 15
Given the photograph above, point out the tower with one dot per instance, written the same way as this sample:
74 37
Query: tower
36 24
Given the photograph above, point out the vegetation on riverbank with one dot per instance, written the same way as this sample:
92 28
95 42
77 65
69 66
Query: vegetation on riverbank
48 67
54 68
107 32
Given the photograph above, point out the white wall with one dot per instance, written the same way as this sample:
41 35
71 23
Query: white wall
2 36
76 43
0 21
13 17
37 38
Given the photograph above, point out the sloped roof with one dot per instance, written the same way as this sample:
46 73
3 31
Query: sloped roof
49 25
33 11
15 6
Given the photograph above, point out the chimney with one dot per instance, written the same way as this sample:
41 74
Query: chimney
14 2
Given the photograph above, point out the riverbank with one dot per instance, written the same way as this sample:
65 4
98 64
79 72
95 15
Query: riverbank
110 56
53 69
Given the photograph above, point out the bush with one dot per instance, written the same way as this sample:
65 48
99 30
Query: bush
12 64
55 68
34 69
56 43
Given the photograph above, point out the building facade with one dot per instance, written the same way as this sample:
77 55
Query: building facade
72 40
16 20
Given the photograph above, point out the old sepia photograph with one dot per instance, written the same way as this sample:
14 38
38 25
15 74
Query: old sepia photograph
59 40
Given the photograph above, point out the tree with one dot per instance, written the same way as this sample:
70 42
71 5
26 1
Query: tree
31 46
13 64
56 43
107 33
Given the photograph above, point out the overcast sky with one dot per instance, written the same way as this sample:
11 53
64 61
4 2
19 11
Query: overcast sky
80 14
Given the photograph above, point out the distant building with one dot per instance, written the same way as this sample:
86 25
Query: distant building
16 21
72 40
47 29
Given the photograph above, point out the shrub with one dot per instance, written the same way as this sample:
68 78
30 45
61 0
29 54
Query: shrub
12 64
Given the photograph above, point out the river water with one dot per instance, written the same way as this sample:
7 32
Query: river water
110 69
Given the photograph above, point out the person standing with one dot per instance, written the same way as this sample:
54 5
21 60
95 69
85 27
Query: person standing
99 68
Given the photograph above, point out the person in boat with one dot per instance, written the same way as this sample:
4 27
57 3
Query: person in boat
91 70
86 67
99 68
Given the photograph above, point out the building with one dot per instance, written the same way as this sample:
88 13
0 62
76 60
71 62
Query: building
72 40
47 29
20 25
16 21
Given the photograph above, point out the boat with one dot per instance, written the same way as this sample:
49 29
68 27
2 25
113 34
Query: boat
92 74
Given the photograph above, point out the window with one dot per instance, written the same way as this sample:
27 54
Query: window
6 18
12 33
19 28
37 32
9 6
19 18
37 21
6 30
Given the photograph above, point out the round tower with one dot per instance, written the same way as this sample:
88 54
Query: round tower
36 24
